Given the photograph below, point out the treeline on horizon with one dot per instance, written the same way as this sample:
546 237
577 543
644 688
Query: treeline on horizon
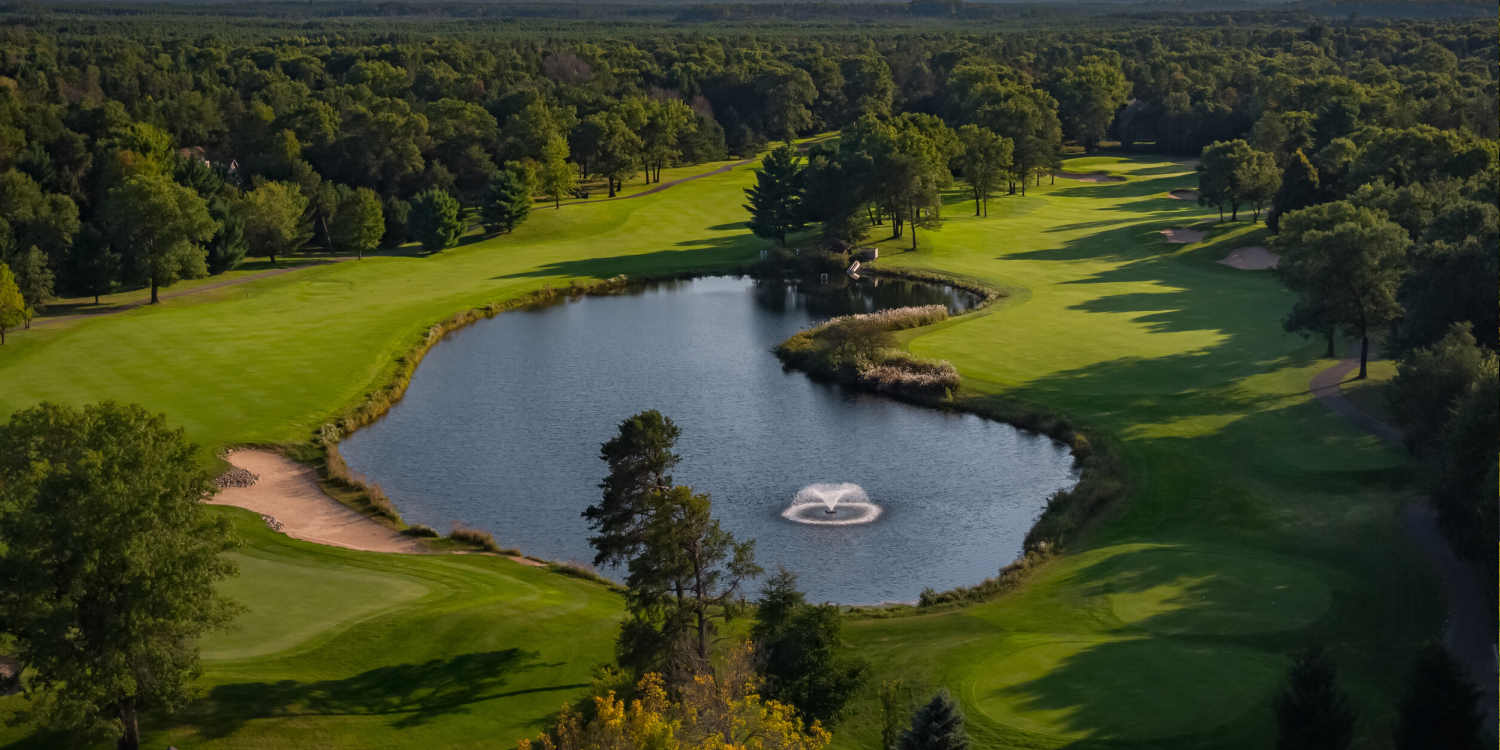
314 117
751 15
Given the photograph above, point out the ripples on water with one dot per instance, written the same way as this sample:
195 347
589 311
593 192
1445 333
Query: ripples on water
502 423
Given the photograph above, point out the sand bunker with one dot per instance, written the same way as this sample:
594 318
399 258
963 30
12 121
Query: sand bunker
1182 236
288 492
1251 259
1184 195
1090 176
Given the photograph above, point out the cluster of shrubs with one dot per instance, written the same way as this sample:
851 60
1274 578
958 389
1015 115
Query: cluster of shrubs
858 349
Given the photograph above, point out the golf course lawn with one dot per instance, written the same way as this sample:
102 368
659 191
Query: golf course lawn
1256 521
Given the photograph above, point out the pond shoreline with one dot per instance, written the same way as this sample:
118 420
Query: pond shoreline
1064 514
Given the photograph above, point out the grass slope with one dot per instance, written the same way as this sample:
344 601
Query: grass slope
360 650
1256 521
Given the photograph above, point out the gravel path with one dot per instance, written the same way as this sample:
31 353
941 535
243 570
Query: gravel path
1468 635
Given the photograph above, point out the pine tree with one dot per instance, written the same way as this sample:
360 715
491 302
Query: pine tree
1311 712
1299 189
776 200
506 203
939 725
434 220
1440 708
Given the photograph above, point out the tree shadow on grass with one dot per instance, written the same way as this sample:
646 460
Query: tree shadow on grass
695 255
1114 191
412 694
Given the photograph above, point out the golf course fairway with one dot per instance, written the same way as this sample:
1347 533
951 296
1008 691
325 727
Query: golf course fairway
1255 520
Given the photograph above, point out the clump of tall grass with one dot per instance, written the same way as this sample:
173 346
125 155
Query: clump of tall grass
858 349
480 538
358 491
421 531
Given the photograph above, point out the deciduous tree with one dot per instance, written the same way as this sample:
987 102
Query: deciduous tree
986 159
1087 97
358 224
162 227
12 306
274 219
1346 263
109 562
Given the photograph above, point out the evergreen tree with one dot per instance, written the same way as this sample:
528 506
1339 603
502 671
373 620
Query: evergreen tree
939 725
12 305
93 265
556 176
1299 189
797 645
1440 708
1311 712
776 199
434 220
229 244
506 203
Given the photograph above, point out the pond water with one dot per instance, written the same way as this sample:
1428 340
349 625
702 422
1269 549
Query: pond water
502 424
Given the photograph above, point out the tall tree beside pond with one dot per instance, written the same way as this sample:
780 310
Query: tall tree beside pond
684 570
111 632
776 198
797 646
435 220
160 226
275 222
1347 263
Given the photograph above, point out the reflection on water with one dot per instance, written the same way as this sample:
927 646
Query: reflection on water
502 423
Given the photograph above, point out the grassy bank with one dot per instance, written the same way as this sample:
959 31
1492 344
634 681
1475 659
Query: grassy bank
1255 522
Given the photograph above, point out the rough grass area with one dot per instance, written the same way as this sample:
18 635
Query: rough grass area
1253 520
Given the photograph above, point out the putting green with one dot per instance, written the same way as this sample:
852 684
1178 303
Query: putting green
309 600
1068 688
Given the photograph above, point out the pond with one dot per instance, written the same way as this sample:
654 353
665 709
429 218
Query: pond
502 423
